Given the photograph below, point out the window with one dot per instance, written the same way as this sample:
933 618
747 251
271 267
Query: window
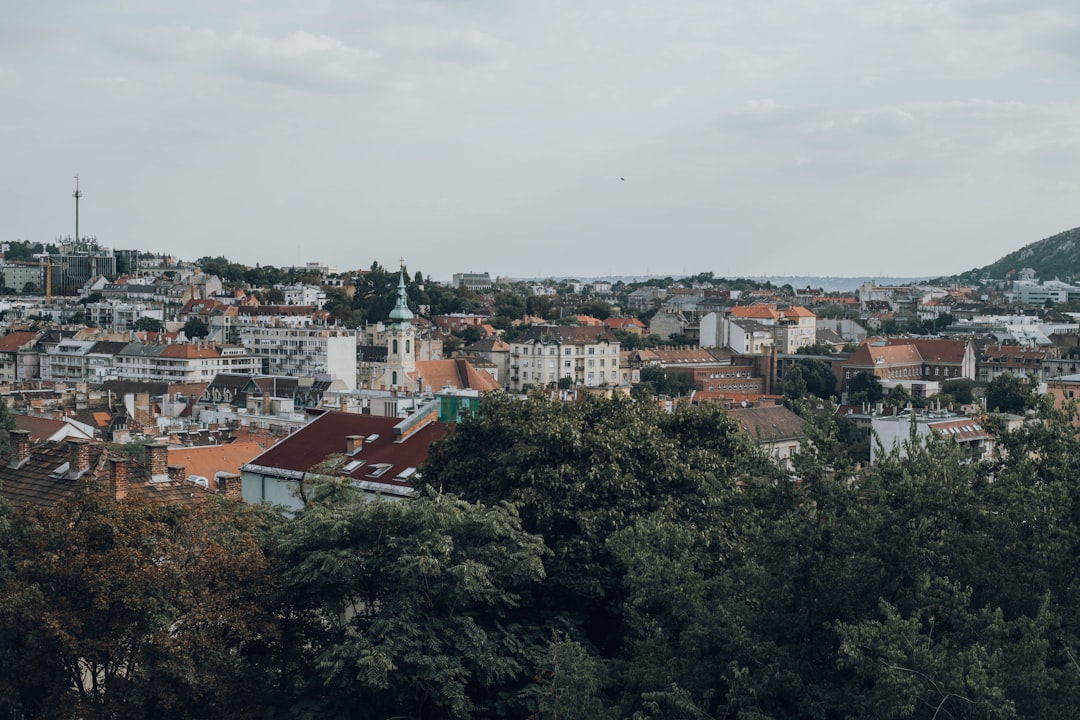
394 345
592 351
566 363
406 347
552 350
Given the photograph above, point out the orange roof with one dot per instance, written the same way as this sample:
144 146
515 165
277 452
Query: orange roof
13 341
210 459
189 352
455 373
797 311
755 312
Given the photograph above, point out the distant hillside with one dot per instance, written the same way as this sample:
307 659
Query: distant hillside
1054 257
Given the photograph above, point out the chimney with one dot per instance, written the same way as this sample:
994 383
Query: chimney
176 472
20 441
353 444
78 455
119 484
344 403
228 484
157 461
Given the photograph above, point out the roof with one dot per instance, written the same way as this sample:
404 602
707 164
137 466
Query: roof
870 354
933 349
208 460
15 340
961 430
45 479
457 373
755 312
566 335
42 429
381 452
772 423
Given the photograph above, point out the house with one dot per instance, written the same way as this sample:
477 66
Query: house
494 351
54 471
919 364
1019 360
626 324
777 430
47 429
12 365
894 431
379 455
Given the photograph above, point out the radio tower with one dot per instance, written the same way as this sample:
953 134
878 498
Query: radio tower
77 194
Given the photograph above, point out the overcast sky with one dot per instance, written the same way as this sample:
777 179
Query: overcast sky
781 137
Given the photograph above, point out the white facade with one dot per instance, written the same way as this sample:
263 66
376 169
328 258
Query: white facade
546 354
304 351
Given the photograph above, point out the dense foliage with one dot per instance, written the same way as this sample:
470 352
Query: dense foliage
592 560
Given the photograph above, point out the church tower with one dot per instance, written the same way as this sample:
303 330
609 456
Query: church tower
401 342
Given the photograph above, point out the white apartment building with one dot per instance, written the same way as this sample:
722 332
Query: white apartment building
182 362
303 351
545 354
300 294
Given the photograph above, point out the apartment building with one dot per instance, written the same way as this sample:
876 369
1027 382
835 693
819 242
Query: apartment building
545 354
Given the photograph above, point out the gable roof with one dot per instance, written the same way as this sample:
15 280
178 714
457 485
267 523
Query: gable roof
15 340
456 373
385 450
771 423
934 349
566 335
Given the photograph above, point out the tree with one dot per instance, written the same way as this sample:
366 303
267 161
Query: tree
1006 393
132 609
195 328
793 386
7 424
579 472
819 377
899 396
409 605
510 305
149 324
864 387
962 390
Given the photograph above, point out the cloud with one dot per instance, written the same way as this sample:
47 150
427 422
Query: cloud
299 59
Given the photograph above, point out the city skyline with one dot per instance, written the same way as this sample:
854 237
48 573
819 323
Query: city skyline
588 139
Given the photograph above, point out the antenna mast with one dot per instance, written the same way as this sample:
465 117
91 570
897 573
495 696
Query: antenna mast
77 194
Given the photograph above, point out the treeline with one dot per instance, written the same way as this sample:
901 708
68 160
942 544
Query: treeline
593 560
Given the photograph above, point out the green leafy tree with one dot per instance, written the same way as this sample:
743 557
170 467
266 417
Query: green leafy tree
195 328
1007 393
819 377
408 605
148 324
581 471
962 390
864 387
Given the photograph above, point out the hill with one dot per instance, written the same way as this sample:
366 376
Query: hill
1057 256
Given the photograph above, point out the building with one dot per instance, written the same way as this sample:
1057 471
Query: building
1018 360
894 432
379 455
198 362
477 282
777 430
546 354
303 351
12 364
52 472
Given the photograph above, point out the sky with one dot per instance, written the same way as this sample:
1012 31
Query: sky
553 138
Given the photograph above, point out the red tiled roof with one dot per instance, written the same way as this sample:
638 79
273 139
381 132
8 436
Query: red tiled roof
325 435
15 340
